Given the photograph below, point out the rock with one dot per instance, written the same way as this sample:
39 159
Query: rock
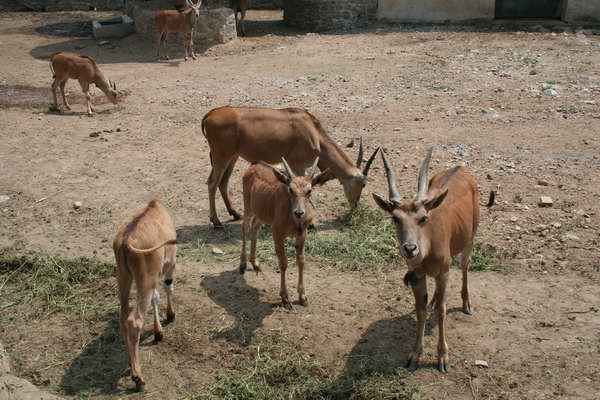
4 198
217 251
514 219
14 388
556 225
533 72
94 134
350 144
481 363
545 201
77 205
543 182
571 237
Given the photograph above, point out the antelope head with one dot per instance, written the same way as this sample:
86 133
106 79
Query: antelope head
112 92
411 217
354 186
195 8
299 188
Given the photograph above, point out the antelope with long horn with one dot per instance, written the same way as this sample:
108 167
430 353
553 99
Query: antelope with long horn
173 21
264 134
65 66
283 201
438 224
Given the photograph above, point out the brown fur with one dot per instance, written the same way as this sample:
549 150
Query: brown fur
145 252
283 204
67 66
173 21
430 231
264 134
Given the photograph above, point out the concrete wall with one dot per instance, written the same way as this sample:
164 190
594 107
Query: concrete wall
435 10
582 11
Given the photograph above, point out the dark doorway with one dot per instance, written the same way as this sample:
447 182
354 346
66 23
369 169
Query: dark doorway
539 9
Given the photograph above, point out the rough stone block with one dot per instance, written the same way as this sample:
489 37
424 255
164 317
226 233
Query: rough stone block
114 27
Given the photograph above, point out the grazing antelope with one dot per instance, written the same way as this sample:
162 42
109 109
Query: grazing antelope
239 6
145 250
438 224
67 66
168 21
282 201
264 134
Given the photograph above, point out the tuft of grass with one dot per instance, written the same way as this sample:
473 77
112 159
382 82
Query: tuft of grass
364 237
50 283
483 258
279 372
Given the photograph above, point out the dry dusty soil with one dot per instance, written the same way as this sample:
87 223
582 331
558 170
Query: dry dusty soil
520 109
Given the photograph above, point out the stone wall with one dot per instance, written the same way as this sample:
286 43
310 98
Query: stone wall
214 26
325 15
582 11
435 10
67 5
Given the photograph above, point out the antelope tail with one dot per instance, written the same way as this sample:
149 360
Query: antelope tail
150 250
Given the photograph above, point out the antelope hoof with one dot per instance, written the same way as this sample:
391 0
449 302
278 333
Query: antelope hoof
412 362
170 317
243 267
68 107
235 215
285 302
467 310
255 266
193 56
303 301
442 365
139 383
158 336
90 114
216 223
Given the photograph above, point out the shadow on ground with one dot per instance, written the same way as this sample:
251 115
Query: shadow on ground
100 364
240 300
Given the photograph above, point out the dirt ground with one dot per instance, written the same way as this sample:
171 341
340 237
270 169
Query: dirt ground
485 96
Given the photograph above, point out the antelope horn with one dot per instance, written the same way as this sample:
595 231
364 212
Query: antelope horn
313 171
369 162
288 170
360 153
391 178
423 181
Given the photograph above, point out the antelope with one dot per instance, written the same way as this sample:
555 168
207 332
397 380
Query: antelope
282 201
65 66
168 21
264 134
145 250
239 6
438 224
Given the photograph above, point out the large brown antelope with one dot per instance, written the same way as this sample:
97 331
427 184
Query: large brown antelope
145 250
282 201
264 134
168 21
437 225
239 6
67 66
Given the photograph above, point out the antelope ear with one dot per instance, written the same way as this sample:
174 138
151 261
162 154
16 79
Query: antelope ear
384 204
434 198
281 176
321 178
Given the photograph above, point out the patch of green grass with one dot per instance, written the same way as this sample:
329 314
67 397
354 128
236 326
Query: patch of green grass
364 237
50 283
483 258
280 372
